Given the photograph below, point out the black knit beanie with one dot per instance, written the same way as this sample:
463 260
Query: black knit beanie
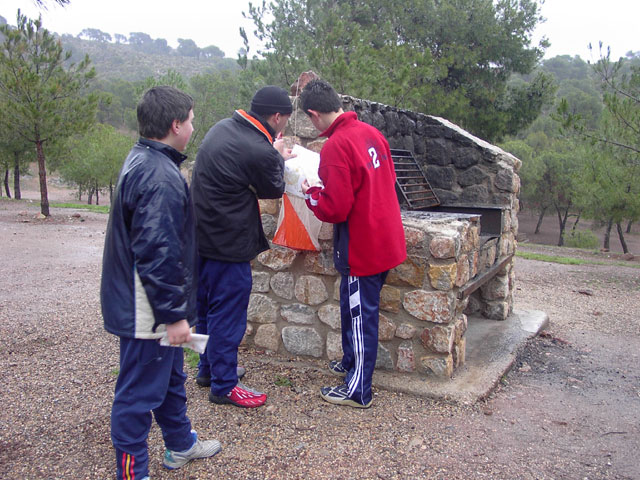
270 99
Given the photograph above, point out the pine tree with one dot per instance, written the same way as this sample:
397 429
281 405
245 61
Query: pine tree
43 97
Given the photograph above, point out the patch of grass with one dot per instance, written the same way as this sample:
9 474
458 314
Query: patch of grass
281 381
115 372
550 258
92 208
192 358
569 260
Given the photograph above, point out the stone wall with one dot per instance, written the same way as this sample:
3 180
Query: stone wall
294 305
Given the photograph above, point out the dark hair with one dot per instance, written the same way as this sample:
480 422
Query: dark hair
159 107
320 96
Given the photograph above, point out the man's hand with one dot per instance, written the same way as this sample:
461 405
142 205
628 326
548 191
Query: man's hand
305 186
288 155
281 147
179 332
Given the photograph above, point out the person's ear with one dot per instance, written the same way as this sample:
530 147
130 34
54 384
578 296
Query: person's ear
175 126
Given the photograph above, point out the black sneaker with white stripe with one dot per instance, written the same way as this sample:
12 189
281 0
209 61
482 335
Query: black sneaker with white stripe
340 396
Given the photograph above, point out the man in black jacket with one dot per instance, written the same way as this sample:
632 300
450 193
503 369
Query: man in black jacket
240 160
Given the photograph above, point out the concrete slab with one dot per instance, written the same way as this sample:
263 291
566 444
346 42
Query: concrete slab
492 347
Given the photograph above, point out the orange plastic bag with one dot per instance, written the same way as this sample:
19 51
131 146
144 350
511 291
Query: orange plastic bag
298 228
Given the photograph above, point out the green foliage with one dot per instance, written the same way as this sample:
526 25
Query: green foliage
211 52
43 99
172 78
609 182
187 48
120 109
566 68
94 160
526 101
584 136
548 171
582 239
216 96
135 62
450 58
621 91
549 174
15 153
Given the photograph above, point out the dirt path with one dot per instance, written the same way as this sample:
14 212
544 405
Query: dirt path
570 409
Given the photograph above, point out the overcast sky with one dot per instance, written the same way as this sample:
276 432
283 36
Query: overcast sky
571 24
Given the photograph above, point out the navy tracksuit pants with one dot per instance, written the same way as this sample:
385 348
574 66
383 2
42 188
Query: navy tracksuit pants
359 309
151 379
223 297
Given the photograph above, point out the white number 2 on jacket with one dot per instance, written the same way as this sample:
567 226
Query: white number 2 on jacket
374 157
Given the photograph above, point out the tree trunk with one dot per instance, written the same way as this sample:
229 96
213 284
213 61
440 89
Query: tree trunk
628 230
562 220
607 235
625 249
540 217
42 173
90 196
6 183
575 224
16 179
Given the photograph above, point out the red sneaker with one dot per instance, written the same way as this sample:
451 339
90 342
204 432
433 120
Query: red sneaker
240 397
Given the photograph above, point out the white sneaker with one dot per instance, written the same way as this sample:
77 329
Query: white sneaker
200 449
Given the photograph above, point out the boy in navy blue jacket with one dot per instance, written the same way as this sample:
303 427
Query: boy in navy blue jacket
148 288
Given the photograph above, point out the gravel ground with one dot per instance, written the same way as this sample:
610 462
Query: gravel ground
568 410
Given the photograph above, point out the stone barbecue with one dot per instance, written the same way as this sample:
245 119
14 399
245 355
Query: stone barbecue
460 254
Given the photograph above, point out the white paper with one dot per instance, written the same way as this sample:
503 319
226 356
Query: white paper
198 342
303 166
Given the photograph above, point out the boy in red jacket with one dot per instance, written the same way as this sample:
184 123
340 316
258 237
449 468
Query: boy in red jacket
358 196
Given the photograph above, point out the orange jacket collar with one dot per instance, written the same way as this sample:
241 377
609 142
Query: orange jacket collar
256 123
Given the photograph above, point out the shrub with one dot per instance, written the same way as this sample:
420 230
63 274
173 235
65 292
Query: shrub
582 239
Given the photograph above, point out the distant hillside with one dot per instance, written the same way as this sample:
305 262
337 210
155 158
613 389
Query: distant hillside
124 62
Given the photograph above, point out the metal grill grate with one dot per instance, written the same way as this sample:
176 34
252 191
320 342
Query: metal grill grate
412 182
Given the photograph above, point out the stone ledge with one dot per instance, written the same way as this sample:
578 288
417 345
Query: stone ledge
491 351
